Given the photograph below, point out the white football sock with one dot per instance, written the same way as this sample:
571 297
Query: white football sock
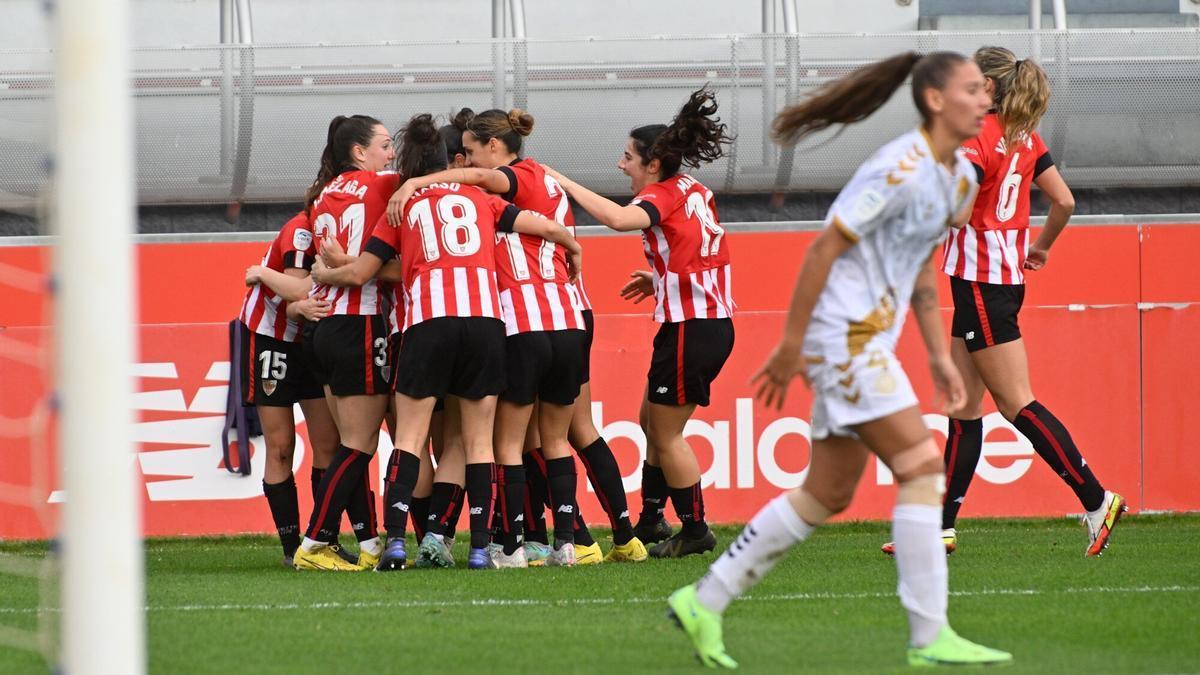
310 545
764 541
921 564
372 546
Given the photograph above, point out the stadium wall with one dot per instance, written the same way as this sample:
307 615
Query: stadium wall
1111 326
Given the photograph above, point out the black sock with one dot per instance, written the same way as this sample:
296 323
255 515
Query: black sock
583 536
479 494
457 501
441 507
341 479
402 472
418 511
689 506
560 474
315 477
510 494
285 511
360 510
537 496
1054 445
654 493
964 443
605 476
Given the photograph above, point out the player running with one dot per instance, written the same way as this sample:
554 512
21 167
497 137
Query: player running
351 345
986 262
691 281
454 338
543 311
851 297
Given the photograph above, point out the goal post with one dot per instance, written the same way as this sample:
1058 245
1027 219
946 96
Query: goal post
103 599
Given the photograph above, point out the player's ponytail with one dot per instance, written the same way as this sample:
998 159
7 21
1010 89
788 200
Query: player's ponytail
1021 91
422 150
857 96
452 132
696 136
509 127
344 133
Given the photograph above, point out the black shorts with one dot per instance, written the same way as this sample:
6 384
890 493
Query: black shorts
461 356
544 365
275 373
589 324
985 315
687 357
353 354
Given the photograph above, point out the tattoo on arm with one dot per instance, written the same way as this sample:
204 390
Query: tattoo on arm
924 298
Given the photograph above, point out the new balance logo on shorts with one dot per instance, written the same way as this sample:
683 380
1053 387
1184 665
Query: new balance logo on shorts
970 335
477 510
400 505
663 390
566 508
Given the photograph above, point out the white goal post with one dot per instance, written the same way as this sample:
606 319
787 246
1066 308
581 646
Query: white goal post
103 602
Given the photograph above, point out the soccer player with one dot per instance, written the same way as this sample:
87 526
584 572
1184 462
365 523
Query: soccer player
277 374
454 339
691 281
538 303
847 310
351 345
986 262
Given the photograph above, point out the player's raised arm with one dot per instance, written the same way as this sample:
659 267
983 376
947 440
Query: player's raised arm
610 214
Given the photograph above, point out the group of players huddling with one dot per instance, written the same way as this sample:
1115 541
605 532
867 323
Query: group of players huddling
440 291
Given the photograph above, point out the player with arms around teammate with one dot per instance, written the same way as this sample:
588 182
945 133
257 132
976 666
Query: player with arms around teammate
454 338
351 344
851 297
277 374
986 262
691 283
540 306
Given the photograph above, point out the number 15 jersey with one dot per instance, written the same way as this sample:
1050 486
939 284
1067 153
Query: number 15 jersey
446 244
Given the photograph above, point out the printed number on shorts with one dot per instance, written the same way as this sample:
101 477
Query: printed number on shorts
353 220
274 365
381 354
710 231
454 224
1010 189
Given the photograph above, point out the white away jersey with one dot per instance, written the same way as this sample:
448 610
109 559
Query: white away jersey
897 207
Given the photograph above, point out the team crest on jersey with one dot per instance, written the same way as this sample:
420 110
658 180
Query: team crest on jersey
869 204
302 240
269 386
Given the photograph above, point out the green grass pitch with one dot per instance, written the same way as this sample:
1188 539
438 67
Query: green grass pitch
227 606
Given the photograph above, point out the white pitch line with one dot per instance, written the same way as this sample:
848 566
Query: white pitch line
577 602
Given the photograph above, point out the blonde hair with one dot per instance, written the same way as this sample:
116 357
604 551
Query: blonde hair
1022 91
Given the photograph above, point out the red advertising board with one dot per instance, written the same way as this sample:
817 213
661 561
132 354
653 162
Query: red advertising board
1118 375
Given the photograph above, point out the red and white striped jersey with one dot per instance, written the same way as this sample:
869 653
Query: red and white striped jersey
447 251
348 209
263 311
535 291
686 248
993 247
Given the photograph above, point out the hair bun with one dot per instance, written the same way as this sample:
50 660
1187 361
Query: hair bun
521 121
462 119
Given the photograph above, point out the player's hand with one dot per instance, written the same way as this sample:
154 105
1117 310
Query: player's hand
639 287
395 205
1037 258
776 374
574 264
332 253
314 309
949 382
254 275
320 272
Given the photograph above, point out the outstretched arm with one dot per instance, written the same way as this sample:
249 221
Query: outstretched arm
292 284
492 180
620 218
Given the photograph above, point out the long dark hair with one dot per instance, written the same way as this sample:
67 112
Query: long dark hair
422 150
857 96
510 127
344 133
696 136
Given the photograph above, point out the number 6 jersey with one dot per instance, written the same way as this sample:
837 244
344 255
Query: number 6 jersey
687 251
993 247
447 250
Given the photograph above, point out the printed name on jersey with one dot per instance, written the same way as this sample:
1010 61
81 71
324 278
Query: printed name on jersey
302 240
1003 149
868 205
337 185
685 183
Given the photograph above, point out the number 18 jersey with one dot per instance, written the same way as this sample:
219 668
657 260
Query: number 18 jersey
446 244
